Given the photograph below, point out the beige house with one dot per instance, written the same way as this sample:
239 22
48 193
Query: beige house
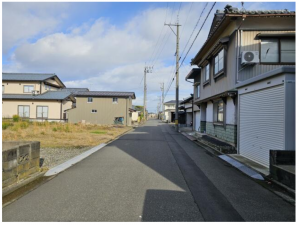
35 96
102 107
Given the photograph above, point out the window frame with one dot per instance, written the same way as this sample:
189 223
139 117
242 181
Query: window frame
89 98
43 106
28 86
23 110
217 113
279 51
115 102
219 72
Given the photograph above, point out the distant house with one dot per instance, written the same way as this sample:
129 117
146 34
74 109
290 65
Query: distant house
186 105
169 111
102 107
35 96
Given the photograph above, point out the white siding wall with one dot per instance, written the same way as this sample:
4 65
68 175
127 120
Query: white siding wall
209 112
231 113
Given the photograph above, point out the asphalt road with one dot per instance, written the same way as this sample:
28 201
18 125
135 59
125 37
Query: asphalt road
150 174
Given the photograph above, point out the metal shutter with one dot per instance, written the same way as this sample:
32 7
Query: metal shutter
262 123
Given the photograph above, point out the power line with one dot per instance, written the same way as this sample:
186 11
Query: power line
187 17
191 45
194 29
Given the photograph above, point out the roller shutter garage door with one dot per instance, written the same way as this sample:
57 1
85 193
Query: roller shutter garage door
262 123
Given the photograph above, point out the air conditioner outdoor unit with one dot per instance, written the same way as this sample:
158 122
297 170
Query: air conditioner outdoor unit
35 92
250 57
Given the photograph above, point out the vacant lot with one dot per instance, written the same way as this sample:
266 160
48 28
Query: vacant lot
60 141
60 134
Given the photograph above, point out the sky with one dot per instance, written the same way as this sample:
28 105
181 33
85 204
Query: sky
105 46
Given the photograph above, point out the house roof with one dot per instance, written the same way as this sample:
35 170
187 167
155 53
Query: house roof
186 100
105 94
194 72
222 17
29 77
49 95
75 90
172 102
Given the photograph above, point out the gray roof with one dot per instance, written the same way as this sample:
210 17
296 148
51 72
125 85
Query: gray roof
27 76
74 90
231 10
50 95
105 94
172 102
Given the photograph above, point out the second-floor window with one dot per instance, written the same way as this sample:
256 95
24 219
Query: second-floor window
89 99
115 100
219 62
198 91
28 88
276 50
207 72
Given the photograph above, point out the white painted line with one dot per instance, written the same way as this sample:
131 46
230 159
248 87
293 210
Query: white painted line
57 169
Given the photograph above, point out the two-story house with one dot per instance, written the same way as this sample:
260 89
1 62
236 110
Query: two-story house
169 111
245 85
35 96
102 107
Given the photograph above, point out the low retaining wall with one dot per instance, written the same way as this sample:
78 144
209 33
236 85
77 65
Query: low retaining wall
19 161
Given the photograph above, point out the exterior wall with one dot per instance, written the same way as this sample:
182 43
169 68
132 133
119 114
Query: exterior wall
169 106
225 83
10 108
135 116
250 43
12 87
228 133
106 110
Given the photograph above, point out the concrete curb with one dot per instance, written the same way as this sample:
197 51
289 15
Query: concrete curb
21 184
62 167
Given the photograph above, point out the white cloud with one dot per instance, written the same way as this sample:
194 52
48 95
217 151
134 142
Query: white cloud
25 20
100 55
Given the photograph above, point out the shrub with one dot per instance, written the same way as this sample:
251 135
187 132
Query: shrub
24 124
54 129
15 118
5 125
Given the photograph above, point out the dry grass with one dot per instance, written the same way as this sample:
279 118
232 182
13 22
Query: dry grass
60 134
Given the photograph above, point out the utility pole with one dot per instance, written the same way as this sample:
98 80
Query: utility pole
162 89
177 34
147 69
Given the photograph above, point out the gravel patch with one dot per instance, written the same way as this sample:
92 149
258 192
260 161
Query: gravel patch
55 156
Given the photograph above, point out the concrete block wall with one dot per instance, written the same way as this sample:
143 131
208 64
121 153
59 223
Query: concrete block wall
227 133
19 161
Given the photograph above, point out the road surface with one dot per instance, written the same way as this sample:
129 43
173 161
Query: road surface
150 174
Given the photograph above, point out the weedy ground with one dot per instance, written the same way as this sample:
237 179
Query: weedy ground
60 135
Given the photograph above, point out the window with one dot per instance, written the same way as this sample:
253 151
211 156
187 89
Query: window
219 62
89 99
28 88
275 50
115 100
207 72
220 111
42 111
3 88
198 91
94 111
24 111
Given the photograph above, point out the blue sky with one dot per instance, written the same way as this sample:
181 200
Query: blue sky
104 46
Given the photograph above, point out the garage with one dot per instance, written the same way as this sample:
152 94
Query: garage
266 117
